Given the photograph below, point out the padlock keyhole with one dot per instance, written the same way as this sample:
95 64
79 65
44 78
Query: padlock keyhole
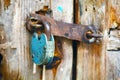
38 38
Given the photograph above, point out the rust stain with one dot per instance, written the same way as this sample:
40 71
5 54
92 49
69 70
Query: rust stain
6 3
58 53
112 15
91 61
77 16
2 34
98 57
4 67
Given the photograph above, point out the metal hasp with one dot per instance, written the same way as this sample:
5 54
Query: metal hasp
84 33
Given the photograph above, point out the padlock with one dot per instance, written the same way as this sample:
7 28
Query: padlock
42 49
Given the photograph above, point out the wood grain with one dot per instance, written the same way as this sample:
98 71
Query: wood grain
90 58
64 70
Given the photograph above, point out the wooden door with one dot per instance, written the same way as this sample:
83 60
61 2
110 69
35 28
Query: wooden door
97 61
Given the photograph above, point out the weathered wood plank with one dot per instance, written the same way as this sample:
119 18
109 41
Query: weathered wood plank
17 59
113 20
63 12
90 58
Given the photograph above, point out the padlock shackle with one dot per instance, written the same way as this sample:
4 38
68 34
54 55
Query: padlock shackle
47 29
46 25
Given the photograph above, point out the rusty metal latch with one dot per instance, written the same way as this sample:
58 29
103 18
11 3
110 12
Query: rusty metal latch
84 33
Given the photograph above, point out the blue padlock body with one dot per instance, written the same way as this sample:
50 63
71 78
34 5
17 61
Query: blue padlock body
42 50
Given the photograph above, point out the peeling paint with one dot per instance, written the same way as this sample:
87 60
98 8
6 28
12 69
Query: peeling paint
60 9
